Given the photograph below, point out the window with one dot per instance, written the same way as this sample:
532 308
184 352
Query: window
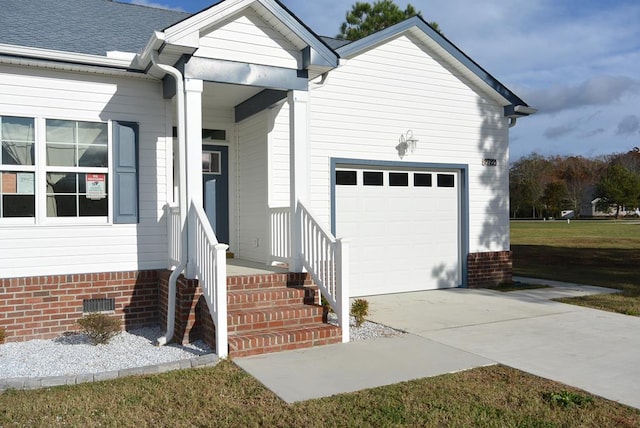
346 178
77 168
211 163
52 168
372 178
398 179
17 167
446 180
421 180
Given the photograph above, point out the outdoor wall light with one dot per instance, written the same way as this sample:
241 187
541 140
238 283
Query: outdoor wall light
408 144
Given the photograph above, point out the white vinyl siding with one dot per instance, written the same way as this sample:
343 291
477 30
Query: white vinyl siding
279 157
368 102
252 188
247 38
48 248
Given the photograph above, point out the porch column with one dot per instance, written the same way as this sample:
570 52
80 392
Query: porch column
193 124
298 170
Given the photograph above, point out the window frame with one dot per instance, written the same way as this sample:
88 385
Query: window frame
40 170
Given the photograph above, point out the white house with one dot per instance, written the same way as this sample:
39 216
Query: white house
140 143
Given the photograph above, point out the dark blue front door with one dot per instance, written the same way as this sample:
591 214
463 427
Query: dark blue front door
215 177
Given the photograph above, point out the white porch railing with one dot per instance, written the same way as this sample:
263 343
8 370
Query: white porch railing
174 233
327 261
210 263
280 234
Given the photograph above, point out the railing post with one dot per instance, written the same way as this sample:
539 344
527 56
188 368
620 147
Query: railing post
298 170
222 347
190 271
342 285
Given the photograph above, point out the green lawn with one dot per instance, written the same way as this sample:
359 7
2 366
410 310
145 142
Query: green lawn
226 396
604 253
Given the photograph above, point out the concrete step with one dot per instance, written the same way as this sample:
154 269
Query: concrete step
272 280
282 339
269 298
276 317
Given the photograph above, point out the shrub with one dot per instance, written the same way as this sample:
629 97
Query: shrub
3 334
359 310
100 328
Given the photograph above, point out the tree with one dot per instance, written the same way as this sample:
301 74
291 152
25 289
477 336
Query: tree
529 176
618 187
366 18
580 175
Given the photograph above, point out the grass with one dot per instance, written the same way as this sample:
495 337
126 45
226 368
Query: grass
224 395
603 253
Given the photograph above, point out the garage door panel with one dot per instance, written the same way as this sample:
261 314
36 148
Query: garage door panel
403 238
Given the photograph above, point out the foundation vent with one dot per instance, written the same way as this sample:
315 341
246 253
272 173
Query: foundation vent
98 305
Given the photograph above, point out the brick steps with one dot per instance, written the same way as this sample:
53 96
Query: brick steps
273 313
276 340
273 280
269 298
275 317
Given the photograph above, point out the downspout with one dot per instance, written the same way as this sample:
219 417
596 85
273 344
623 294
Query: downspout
173 278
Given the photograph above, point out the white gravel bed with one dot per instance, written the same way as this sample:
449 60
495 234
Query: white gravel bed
368 330
75 355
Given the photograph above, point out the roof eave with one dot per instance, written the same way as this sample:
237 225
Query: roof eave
120 61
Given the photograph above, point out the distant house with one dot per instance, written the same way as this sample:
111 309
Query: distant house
592 210
140 143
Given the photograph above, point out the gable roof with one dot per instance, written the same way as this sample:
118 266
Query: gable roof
92 27
446 49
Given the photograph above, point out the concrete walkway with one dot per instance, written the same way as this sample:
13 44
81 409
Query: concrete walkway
459 329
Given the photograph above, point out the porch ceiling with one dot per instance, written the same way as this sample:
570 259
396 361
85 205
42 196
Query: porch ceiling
224 95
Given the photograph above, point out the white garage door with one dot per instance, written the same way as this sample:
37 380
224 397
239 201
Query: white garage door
404 228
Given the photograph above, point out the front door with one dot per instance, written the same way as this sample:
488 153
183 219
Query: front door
215 177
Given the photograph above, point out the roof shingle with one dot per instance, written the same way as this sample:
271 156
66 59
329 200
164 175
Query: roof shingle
82 26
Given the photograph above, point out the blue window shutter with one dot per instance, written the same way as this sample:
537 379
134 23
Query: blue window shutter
125 171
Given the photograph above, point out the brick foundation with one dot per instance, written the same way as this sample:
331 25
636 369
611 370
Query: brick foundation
46 306
488 269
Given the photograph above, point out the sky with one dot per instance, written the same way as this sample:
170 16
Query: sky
576 61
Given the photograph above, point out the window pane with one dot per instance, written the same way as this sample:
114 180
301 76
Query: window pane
93 156
206 162
92 133
61 154
97 185
61 206
61 182
446 180
421 180
398 179
346 178
372 178
17 141
92 207
18 206
61 131
92 144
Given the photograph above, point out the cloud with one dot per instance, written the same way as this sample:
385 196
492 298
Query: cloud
600 90
592 133
559 131
629 125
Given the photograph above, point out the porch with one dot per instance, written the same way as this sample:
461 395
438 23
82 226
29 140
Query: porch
244 307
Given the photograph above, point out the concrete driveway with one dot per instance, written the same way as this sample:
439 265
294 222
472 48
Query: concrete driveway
593 350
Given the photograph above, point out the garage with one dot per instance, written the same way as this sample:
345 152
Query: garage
404 225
